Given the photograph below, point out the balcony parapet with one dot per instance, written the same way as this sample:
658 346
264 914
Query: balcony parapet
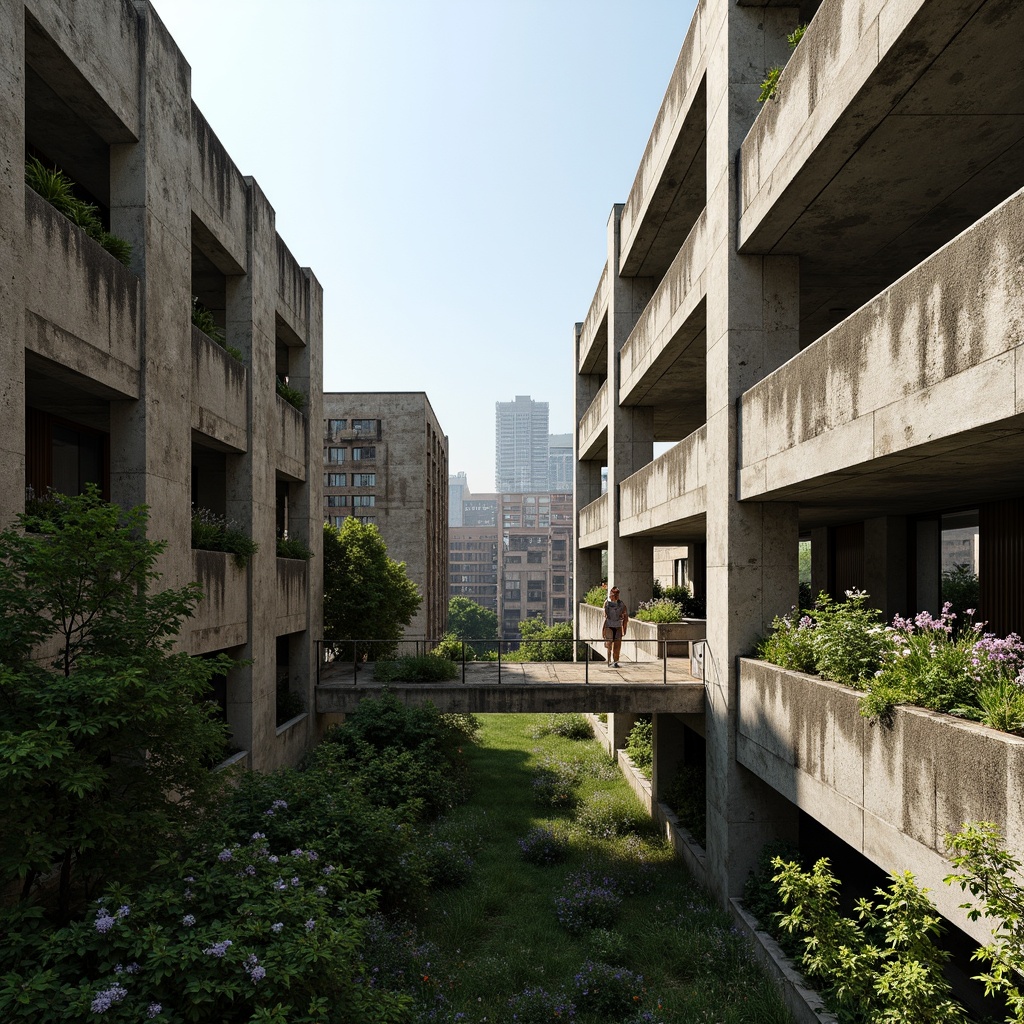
292 595
891 791
672 320
934 356
594 336
670 491
84 308
219 389
221 618
593 526
292 440
594 423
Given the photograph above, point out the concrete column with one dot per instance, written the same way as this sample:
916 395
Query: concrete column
619 726
929 573
12 230
885 564
630 429
669 749
150 439
752 328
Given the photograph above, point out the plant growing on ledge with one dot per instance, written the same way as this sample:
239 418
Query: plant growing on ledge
771 78
293 396
661 609
59 191
287 548
204 320
596 595
213 532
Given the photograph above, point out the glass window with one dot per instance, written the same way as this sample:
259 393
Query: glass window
335 479
336 521
364 426
337 500
365 519
364 500
364 453
336 454
364 479
335 426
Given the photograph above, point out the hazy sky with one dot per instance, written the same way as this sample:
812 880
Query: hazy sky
446 167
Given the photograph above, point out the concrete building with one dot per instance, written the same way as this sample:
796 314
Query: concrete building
458 488
560 463
474 554
818 301
107 380
521 445
386 462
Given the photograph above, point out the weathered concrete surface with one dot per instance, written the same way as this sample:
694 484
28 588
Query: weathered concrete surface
292 439
890 792
83 306
219 406
291 595
669 190
892 381
593 343
668 497
523 697
221 619
593 524
593 427
644 641
663 361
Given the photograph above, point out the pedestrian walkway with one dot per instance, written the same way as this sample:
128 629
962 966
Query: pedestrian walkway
536 686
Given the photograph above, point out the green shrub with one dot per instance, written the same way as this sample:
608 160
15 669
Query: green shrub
605 815
293 396
570 726
451 648
848 639
791 643
771 78
59 191
761 893
962 590
661 609
608 992
213 532
288 704
596 595
419 668
640 746
287 548
227 936
545 643
884 965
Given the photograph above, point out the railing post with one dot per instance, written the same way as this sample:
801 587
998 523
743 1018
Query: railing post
463 661
499 660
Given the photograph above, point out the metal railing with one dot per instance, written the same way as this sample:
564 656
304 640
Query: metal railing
361 651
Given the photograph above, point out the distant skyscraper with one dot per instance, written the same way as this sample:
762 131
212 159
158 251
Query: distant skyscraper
458 489
560 463
521 445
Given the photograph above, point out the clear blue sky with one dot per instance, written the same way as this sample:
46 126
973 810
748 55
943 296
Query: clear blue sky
447 168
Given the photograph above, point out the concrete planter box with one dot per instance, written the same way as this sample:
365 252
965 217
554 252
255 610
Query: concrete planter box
890 792
222 617
644 640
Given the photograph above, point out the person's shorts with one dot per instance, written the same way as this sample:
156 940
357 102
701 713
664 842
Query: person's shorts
612 633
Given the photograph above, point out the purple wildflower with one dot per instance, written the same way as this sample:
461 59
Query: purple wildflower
155 1009
108 997
224 855
218 949
188 920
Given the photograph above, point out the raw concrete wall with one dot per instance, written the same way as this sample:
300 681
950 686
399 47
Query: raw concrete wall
671 489
219 408
893 376
890 792
221 619
594 325
594 422
593 524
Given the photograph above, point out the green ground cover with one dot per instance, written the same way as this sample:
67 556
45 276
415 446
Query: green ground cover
503 953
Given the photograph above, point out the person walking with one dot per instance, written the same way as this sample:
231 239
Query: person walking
616 616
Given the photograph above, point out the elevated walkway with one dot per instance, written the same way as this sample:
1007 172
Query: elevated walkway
528 687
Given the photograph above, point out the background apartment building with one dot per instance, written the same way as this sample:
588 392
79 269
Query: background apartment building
816 304
513 555
108 381
385 461
521 445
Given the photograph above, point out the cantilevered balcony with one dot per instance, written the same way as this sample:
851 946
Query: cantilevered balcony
593 349
593 440
894 127
917 393
667 498
663 362
219 389
593 525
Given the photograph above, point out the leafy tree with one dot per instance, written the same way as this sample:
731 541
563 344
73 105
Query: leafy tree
535 630
367 596
468 620
106 737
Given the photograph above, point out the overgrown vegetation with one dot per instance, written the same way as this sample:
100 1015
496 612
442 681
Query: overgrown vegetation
640 745
927 661
541 642
596 595
368 597
422 668
104 742
207 323
293 396
293 548
692 607
686 794
214 532
59 191
660 609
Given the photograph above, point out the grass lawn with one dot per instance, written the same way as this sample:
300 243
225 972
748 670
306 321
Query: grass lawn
499 934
